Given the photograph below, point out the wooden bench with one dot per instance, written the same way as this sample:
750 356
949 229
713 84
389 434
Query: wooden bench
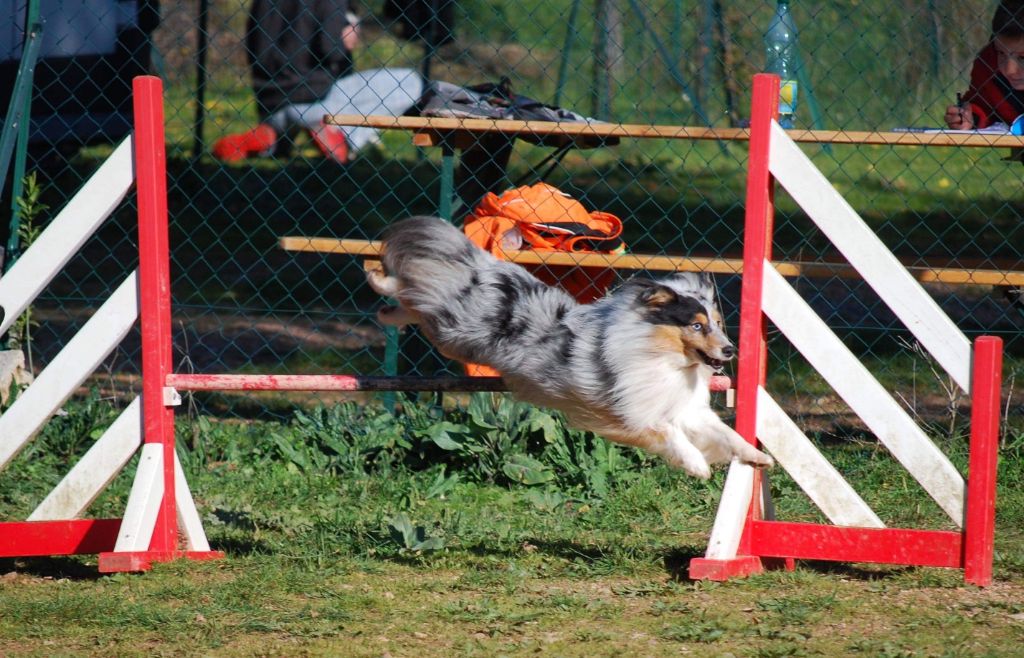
432 131
370 250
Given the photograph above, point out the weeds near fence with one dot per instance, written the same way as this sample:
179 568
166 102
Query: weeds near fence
29 208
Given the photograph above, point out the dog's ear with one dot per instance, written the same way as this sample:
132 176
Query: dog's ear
656 295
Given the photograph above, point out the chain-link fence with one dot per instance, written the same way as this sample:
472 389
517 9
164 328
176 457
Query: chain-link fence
242 303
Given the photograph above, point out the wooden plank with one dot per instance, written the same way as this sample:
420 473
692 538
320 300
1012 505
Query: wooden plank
732 512
200 382
42 538
872 403
822 483
808 541
657 263
188 516
652 131
143 502
65 235
879 267
96 469
76 361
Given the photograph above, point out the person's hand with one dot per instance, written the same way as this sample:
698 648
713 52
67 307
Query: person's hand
959 118
350 36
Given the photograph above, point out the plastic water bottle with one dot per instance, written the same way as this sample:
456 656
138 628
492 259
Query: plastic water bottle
781 59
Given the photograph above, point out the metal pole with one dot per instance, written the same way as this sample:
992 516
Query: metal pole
19 117
201 51
570 36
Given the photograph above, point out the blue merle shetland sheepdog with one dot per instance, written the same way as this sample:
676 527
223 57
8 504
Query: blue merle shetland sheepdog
633 367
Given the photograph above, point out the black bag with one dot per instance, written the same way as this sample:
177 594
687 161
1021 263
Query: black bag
497 101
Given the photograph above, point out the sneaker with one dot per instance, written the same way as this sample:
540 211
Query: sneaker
331 142
233 148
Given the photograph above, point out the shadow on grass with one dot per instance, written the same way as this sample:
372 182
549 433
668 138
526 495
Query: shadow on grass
677 564
56 568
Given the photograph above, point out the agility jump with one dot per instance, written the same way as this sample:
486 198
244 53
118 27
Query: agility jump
160 505
741 536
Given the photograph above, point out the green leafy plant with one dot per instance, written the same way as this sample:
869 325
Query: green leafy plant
412 538
587 463
81 422
344 438
28 209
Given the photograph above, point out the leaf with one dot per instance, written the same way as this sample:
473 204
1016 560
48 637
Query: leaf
438 433
547 424
547 499
402 531
442 484
481 411
526 470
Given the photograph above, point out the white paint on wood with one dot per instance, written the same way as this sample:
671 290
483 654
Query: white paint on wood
870 257
822 483
79 358
188 515
96 469
143 502
66 234
732 512
866 397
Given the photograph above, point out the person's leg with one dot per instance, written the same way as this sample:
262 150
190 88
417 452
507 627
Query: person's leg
387 91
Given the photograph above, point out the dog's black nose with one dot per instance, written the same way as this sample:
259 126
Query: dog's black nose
728 351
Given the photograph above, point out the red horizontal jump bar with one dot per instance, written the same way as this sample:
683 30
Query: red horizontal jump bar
353 383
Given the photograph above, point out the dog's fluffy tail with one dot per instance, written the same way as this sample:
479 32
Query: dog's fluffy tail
421 238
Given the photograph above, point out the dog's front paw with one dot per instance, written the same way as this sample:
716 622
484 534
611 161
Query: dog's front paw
697 467
758 460
702 471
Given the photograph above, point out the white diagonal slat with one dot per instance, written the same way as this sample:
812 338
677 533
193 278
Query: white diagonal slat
68 231
732 512
76 361
852 381
870 257
188 515
96 469
822 483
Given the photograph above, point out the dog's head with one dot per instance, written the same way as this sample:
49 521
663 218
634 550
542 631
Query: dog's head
685 316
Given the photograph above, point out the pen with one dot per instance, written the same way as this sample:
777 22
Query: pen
960 104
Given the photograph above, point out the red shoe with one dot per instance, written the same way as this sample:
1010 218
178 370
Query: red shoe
239 146
331 141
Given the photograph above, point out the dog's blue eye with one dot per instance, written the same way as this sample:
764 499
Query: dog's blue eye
696 326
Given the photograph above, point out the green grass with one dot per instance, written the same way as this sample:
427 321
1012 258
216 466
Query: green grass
352 532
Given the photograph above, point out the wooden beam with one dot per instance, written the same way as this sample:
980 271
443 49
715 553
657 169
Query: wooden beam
924 274
435 128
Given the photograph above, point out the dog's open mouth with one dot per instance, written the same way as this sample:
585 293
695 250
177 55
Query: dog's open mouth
717 364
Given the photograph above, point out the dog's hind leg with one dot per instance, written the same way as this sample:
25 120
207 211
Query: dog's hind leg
396 316
382 284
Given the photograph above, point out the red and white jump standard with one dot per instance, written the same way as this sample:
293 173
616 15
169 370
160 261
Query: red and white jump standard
742 538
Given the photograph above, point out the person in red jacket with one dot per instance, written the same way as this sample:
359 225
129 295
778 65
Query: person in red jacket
996 92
